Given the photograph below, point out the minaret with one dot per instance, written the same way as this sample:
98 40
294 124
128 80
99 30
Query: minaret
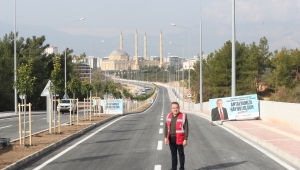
160 49
121 41
136 50
145 46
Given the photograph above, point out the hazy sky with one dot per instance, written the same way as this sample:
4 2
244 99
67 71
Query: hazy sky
278 20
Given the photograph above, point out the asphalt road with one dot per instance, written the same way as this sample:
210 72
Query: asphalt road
9 127
133 143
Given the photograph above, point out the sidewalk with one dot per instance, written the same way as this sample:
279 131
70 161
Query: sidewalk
279 140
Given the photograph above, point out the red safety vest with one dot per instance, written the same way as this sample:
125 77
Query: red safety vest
179 127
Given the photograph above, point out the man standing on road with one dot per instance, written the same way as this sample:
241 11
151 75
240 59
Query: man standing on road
176 134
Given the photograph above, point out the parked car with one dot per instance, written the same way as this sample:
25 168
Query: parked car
64 106
147 88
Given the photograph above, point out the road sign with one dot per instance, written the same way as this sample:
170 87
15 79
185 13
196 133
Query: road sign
189 93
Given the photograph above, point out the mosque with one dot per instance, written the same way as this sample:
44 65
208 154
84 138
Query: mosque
120 60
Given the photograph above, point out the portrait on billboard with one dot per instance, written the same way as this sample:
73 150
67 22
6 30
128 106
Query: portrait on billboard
219 112
234 108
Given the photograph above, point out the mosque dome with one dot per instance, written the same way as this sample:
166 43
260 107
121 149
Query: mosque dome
119 55
118 52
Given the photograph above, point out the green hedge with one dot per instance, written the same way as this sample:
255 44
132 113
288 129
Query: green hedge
145 97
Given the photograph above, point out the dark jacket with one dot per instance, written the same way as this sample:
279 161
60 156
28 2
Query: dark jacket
215 116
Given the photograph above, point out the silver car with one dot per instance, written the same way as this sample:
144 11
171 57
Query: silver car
65 105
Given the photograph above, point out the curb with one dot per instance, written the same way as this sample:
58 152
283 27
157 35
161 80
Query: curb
21 163
4 117
279 152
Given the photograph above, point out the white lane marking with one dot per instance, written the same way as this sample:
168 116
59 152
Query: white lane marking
270 155
160 131
27 122
6 119
157 167
162 116
5 127
161 123
159 145
161 119
73 146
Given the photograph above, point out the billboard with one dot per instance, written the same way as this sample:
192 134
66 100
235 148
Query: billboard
112 106
230 108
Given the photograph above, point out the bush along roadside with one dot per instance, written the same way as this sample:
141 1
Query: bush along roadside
127 94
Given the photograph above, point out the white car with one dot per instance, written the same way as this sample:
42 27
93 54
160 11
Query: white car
143 92
64 106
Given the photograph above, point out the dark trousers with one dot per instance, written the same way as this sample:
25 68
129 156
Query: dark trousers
174 147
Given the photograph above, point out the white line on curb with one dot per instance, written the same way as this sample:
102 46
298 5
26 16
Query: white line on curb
73 146
161 123
160 131
157 167
5 127
159 145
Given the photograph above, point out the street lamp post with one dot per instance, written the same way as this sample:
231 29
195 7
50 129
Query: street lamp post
188 57
200 63
178 75
15 60
65 96
233 51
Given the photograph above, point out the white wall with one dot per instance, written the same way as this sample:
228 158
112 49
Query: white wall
287 114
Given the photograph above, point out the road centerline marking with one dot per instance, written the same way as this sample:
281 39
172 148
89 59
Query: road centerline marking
157 167
161 123
159 145
160 131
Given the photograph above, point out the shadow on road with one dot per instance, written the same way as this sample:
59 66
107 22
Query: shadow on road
116 131
82 159
222 166
106 141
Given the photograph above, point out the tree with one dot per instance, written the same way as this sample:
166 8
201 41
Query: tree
25 85
57 81
97 87
74 85
86 88
25 81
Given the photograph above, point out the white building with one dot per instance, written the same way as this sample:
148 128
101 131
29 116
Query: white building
192 62
99 60
186 63
91 61
51 50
